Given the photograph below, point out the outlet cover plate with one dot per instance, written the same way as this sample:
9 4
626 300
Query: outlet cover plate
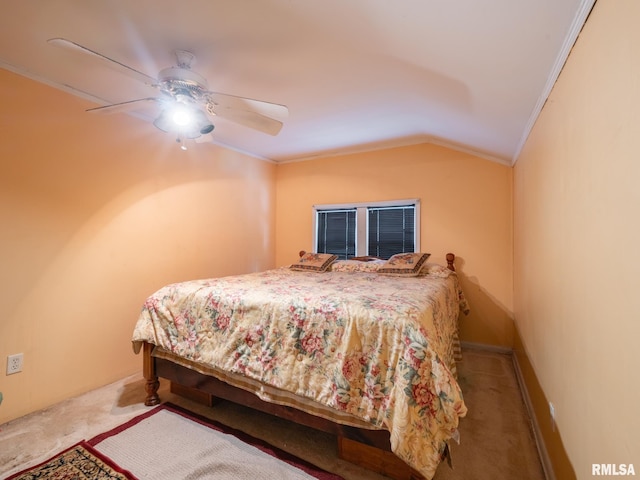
14 363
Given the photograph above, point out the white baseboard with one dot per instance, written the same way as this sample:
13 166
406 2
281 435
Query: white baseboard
537 433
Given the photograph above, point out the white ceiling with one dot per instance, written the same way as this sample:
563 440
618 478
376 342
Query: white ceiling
355 74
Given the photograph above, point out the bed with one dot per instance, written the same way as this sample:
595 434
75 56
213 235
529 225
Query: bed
364 349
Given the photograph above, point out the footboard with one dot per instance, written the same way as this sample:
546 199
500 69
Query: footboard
367 448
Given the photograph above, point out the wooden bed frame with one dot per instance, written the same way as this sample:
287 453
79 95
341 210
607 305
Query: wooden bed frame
367 448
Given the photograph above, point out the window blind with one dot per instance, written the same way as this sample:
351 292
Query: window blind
336 230
391 230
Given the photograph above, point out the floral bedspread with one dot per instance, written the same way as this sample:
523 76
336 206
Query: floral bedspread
376 347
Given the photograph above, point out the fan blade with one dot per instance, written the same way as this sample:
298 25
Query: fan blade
233 102
250 119
121 67
123 106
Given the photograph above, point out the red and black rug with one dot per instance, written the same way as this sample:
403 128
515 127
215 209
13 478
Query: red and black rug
170 443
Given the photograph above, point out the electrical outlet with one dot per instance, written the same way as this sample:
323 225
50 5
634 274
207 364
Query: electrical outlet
552 413
14 363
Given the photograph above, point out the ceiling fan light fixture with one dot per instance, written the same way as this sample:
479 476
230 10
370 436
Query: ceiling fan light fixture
184 121
182 117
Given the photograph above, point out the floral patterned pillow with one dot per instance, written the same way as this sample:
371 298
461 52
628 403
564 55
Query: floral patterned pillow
315 262
404 264
435 270
356 266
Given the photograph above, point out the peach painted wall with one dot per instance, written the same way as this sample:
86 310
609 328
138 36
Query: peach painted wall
97 212
465 208
576 238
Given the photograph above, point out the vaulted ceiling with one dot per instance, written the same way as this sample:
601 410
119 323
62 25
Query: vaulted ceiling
355 75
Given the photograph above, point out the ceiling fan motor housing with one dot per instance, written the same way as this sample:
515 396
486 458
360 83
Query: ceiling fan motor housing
174 80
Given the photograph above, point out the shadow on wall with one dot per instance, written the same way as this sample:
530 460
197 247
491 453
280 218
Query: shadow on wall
489 322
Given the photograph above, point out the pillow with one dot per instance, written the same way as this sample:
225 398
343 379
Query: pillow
366 258
356 265
404 264
435 270
315 262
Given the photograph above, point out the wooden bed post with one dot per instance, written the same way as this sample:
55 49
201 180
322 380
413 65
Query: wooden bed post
450 259
149 372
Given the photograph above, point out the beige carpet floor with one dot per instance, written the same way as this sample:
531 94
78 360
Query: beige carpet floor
496 437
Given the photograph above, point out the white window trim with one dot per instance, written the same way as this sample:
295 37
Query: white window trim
361 220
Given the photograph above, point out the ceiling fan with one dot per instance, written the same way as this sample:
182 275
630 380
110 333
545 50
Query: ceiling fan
187 106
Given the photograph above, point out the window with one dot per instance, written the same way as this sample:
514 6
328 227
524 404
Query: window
380 229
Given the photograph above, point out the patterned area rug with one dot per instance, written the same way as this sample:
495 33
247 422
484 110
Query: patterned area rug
80 462
169 443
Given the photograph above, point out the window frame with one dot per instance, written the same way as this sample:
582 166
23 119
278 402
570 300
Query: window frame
362 234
